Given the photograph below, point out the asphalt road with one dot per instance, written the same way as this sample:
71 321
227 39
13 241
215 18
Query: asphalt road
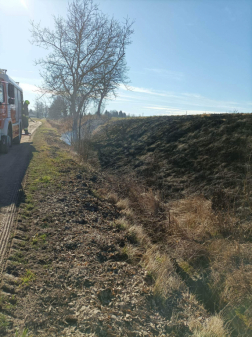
13 166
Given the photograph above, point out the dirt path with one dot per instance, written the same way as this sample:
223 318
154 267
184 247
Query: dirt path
13 166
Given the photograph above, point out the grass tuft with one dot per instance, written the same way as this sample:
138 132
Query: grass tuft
28 277
4 324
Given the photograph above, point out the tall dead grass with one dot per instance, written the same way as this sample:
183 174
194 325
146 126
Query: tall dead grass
220 239
213 327
189 247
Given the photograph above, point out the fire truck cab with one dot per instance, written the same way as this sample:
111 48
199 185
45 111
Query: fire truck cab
11 106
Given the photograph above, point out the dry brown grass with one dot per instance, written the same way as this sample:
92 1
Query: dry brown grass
162 269
187 247
122 223
128 213
181 244
197 232
123 204
112 198
144 201
141 236
194 215
235 261
201 242
63 124
168 287
185 232
190 224
213 327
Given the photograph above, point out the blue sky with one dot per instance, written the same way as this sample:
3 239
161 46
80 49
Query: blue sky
186 55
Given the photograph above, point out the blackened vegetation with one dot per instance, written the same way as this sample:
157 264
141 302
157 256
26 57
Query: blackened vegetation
182 155
188 182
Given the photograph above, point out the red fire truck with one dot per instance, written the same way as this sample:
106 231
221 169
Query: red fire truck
11 105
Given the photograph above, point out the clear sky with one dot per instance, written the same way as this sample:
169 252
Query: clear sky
186 55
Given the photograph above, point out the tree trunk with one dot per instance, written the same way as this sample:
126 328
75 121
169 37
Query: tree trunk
99 106
79 135
75 128
74 113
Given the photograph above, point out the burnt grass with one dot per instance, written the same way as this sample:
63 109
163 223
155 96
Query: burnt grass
185 155
181 157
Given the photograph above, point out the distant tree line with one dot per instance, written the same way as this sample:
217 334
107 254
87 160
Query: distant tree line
59 108
115 113
41 109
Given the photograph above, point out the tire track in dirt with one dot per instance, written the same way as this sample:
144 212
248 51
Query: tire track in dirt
6 227
12 171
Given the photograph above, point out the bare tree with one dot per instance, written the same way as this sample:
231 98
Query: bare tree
85 48
112 75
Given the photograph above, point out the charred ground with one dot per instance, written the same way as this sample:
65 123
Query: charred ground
178 156
189 181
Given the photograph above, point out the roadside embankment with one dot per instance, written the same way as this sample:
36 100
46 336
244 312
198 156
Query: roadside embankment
187 184
179 156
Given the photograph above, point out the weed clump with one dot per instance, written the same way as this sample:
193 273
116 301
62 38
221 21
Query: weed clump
28 277
4 323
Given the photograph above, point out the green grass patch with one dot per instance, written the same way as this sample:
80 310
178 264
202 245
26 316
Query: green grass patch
18 257
44 179
38 239
28 277
96 194
8 303
44 171
29 206
43 237
187 268
4 324
24 333
35 240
